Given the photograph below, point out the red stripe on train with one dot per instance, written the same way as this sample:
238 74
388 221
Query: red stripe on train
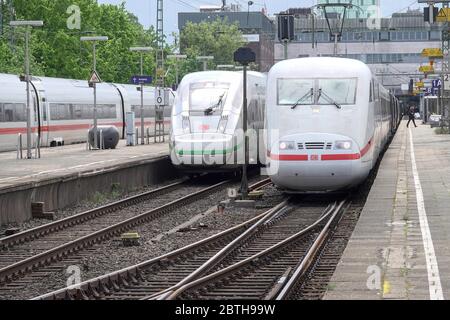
68 127
325 157
289 157
338 157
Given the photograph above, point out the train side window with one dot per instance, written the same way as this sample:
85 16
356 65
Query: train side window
35 108
87 111
77 113
9 112
371 91
21 112
148 112
14 112
44 113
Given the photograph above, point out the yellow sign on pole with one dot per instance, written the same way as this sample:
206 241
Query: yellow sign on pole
444 15
432 53
426 69
160 72
420 84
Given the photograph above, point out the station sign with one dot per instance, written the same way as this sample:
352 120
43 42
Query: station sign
95 78
436 83
431 91
160 97
426 69
435 53
443 15
141 79
160 72
420 84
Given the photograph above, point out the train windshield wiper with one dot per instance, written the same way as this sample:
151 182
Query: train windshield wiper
329 99
306 96
214 107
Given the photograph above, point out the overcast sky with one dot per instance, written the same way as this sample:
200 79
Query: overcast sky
146 9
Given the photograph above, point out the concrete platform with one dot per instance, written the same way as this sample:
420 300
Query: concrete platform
66 175
400 248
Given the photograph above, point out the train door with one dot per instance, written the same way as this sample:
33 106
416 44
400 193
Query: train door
124 107
45 119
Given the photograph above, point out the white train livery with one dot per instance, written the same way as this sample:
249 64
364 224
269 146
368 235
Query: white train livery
206 132
62 109
328 120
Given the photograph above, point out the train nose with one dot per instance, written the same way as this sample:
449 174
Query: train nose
205 149
316 162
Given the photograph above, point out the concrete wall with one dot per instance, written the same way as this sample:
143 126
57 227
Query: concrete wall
65 191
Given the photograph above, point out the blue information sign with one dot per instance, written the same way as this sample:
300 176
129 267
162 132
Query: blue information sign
431 91
437 83
141 79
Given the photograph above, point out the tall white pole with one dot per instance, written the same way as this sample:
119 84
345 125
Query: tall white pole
27 74
95 101
142 101
28 25
244 184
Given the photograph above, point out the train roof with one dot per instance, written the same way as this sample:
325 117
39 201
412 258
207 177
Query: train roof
321 67
220 75
4 77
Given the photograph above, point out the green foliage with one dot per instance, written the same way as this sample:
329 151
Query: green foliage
443 130
58 52
218 38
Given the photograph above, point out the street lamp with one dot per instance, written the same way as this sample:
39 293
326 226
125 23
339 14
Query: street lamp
245 56
177 57
27 24
142 50
205 60
94 40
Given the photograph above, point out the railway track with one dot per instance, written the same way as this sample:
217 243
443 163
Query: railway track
153 276
268 267
31 250
163 277
314 282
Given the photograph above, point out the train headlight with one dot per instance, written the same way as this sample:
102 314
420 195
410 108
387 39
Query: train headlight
343 145
287 145
223 124
186 125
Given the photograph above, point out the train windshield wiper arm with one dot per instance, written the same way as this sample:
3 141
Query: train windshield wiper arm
329 99
213 108
306 96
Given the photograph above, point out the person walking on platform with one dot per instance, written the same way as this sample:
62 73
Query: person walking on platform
412 118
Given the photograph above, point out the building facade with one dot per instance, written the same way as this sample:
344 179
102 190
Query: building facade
257 28
392 47
362 9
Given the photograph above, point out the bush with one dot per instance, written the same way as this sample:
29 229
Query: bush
443 130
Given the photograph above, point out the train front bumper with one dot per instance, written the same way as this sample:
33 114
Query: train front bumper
205 150
317 170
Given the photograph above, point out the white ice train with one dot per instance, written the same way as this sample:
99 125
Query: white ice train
206 132
328 120
62 109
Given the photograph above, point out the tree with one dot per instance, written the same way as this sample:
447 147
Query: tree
57 50
218 38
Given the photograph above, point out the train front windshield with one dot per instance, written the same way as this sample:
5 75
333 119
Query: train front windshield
207 98
341 91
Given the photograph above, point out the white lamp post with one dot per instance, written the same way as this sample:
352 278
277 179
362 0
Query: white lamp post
27 24
142 50
205 60
94 40
177 57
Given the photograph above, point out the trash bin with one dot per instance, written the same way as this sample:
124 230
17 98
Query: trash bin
111 137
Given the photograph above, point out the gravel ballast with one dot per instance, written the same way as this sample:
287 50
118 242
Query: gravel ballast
111 255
